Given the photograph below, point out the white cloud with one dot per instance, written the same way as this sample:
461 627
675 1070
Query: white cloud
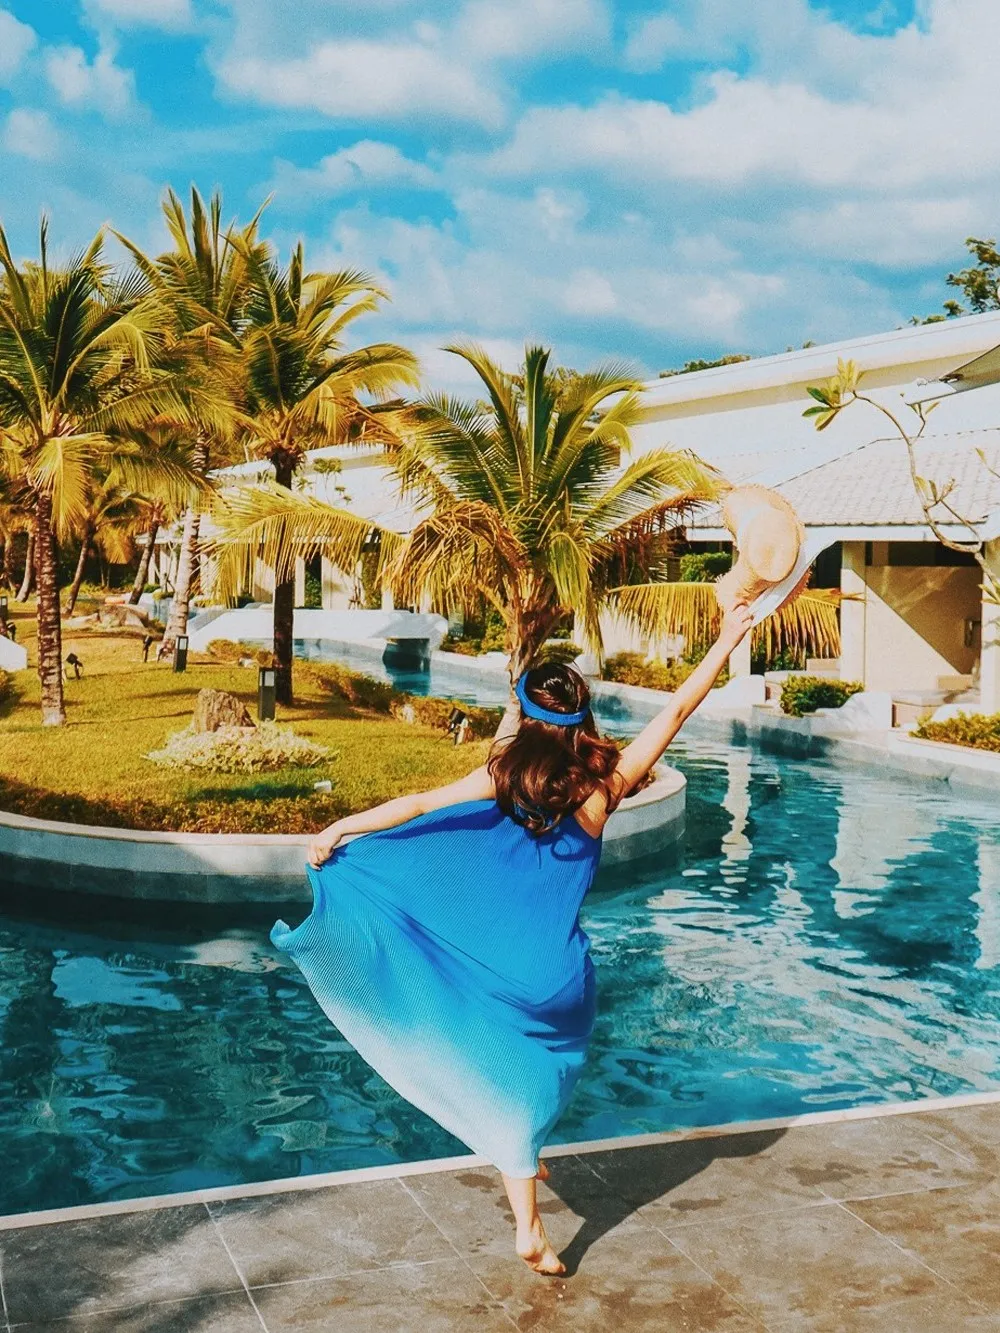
30 134
917 113
101 85
365 165
360 78
16 41
170 14
529 29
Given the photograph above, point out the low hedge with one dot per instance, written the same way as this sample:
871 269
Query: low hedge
634 669
226 650
804 694
979 731
380 697
269 811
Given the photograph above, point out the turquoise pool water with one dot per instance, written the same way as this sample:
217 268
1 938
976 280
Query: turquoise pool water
822 938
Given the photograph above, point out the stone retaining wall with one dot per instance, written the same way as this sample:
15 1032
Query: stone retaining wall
44 855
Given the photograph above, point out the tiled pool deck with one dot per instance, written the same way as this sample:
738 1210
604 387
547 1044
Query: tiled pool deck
887 1222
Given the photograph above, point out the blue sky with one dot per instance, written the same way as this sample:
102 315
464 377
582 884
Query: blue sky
626 178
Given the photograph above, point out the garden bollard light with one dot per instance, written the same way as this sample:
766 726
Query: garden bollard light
181 653
3 610
266 690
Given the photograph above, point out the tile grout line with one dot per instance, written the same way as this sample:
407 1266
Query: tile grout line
459 1255
969 1161
222 1241
912 1254
712 1278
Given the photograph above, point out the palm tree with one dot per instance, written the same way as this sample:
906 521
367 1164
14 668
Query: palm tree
81 362
529 500
806 626
303 388
202 285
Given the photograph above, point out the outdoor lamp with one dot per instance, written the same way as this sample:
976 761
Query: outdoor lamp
3 609
267 681
181 653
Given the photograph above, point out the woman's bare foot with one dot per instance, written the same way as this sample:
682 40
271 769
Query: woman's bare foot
543 1171
534 1248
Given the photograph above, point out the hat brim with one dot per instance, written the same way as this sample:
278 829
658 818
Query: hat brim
773 598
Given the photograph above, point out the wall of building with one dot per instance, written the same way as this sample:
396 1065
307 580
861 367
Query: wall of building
915 625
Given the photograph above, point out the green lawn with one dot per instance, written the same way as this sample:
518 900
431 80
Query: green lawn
92 770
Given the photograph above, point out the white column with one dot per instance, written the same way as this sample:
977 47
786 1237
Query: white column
989 654
853 613
388 604
739 659
328 579
300 581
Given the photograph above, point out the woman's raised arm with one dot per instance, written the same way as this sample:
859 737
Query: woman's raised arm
641 754
476 786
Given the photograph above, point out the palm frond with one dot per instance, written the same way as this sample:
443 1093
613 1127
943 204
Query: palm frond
271 524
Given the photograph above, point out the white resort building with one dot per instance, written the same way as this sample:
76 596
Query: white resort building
916 623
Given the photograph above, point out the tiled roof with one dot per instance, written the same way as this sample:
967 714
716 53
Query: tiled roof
871 485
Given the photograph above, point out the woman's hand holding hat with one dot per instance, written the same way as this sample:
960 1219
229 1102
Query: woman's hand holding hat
736 624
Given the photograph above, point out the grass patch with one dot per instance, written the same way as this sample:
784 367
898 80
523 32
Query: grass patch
92 770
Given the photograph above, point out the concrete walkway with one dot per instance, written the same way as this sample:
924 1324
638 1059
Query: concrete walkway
888 1223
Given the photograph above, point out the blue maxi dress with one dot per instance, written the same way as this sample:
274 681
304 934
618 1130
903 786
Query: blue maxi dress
448 951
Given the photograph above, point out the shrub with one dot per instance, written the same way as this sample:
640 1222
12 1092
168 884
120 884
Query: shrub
435 713
705 566
560 650
486 636
358 690
226 650
634 669
804 694
980 731
259 749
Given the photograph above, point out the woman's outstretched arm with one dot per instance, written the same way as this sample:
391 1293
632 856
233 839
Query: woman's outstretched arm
477 786
640 755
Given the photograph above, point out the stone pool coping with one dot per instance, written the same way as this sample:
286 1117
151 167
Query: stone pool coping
148 865
466 1161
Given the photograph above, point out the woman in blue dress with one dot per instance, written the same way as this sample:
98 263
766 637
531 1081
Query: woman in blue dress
446 945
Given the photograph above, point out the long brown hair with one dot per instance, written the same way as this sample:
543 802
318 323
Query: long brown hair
546 771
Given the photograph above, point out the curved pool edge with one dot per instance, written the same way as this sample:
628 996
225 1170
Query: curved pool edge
143 865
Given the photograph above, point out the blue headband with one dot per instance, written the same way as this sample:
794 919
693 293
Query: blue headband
540 714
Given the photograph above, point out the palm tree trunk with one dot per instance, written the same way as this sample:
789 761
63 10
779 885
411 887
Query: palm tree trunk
28 582
187 566
49 623
9 556
284 605
81 565
528 630
142 573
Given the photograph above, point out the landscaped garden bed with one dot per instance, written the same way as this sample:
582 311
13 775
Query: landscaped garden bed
976 731
94 770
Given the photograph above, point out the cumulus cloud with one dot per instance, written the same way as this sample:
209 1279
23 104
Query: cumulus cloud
365 165
30 134
99 84
16 41
365 79
170 14
531 28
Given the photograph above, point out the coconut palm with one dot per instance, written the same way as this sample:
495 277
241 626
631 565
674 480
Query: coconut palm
528 499
303 388
806 626
202 286
82 361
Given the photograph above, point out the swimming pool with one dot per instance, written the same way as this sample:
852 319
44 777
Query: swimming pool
820 939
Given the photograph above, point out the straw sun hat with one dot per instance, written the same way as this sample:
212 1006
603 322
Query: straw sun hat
773 557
